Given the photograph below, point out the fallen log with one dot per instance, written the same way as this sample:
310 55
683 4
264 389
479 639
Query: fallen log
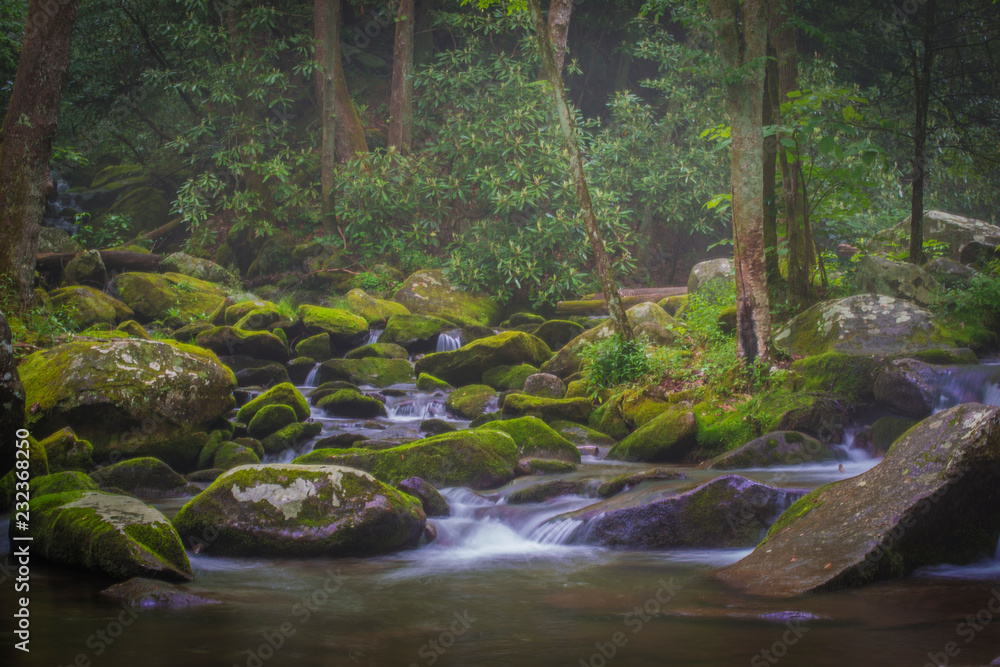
114 260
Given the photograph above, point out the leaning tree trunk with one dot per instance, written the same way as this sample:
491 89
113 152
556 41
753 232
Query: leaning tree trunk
28 132
922 64
401 95
326 43
350 133
568 126
559 15
742 40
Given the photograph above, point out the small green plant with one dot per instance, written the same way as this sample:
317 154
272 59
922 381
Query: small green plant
287 308
184 286
375 282
113 229
615 361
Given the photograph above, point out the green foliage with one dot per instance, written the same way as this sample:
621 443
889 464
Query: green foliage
113 229
375 283
613 361
976 304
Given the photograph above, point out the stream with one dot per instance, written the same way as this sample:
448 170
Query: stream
499 586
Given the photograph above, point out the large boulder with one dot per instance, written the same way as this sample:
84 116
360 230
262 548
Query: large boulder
712 273
863 324
87 306
144 476
115 536
370 371
87 268
345 328
899 279
300 511
417 333
471 401
230 341
160 296
780 448
667 438
535 439
955 231
933 499
468 363
727 512
373 310
477 459
909 387
351 403
195 267
430 293
549 409
506 378
128 398
11 397
556 333
645 318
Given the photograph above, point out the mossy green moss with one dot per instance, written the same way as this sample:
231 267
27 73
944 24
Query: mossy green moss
556 333
87 306
549 409
344 327
378 351
670 437
270 419
468 363
848 375
470 401
414 331
532 466
65 451
233 311
259 319
291 436
133 329
579 434
535 438
351 403
229 341
478 459
61 482
373 310
152 295
505 378
316 347
282 394
427 382
430 293
369 371
232 454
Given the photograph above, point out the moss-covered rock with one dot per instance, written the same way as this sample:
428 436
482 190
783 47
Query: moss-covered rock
506 378
645 318
265 376
61 482
373 310
849 375
471 401
885 431
151 594
626 481
864 324
155 296
270 419
115 536
434 503
674 305
430 293
780 448
64 451
531 466
12 411
417 333
195 267
534 438
232 455
301 511
291 436
710 273
902 280
87 306
232 310
188 332
727 512
87 268
544 385
378 351
344 328
539 493
669 437
144 476
370 371
549 409
931 500
134 330
427 382
607 418
468 363
351 403
261 319
51 239
315 347
128 398
556 333
283 394
579 434
477 459
232 341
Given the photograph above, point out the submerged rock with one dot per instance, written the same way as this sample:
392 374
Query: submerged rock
477 459
778 448
152 594
115 536
931 500
144 476
727 512
625 482
434 503
300 511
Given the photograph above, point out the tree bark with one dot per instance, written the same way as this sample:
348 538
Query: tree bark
326 45
559 15
350 137
568 126
922 64
741 35
28 132
401 95
770 116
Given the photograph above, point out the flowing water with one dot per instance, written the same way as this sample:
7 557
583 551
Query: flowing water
504 585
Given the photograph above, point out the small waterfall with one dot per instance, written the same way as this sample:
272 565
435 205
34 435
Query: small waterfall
311 378
556 532
967 384
449 341
373 336
416 406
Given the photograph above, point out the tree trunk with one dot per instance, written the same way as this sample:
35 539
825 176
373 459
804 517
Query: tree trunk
28 132
559 15
770 114
326 45
350 134
568 125
401 96
922 64
741 34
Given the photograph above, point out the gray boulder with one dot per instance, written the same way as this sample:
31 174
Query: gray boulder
899 279
908 387
703 274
